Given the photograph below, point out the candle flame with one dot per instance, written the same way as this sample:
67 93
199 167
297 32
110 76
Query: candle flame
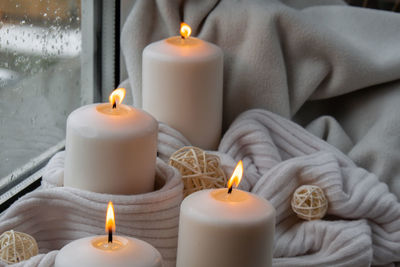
185 30
110 219
117 96
236 176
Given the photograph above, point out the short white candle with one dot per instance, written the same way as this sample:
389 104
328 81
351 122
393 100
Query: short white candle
183 87
218 229
111 150
97 251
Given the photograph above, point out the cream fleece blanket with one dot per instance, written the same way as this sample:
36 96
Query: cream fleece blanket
362 226
332 68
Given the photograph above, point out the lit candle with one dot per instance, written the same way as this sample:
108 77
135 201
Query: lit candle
111 148
108 250
182 86
226 228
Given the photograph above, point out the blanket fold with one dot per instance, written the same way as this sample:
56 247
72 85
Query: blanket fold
261 138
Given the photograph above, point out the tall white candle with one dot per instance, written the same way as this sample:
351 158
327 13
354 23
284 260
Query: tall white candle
111 150
183 87
221 229
97 251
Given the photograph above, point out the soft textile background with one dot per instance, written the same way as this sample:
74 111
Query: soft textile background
362 226
330 67
363 223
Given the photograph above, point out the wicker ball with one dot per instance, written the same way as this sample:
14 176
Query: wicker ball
17 246
200 170
309 202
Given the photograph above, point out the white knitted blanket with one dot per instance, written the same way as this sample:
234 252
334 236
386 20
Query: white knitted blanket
56 216
362 226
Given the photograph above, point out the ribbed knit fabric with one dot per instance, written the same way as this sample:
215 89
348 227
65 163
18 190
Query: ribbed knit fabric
362 226
57 215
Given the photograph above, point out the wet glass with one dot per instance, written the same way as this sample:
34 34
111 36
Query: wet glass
40 68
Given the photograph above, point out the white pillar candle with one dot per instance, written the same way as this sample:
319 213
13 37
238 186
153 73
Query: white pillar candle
111 150
97 251
183 87
221 229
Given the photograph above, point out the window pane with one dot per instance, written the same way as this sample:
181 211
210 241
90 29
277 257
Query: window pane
40 46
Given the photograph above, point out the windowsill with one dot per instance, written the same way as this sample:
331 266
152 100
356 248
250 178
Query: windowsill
26 178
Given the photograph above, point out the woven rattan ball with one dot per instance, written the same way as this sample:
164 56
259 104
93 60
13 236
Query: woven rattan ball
17 246
200 170
309 202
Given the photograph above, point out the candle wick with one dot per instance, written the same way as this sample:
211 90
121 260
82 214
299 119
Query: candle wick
230 189
114 105
110 236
